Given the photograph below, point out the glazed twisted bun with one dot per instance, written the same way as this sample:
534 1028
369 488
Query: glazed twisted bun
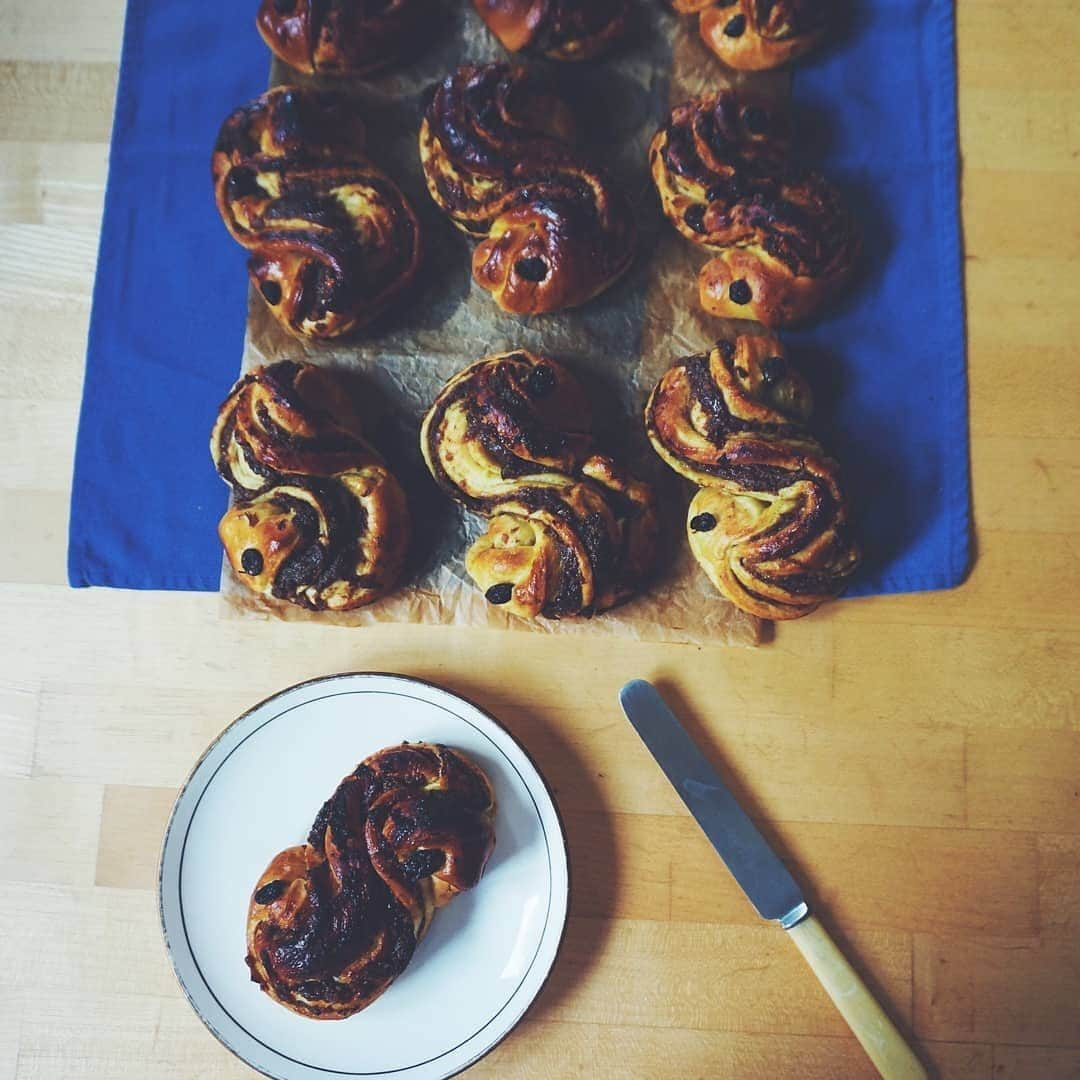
557 29
495 149
332 239
754 35
339 36
317 519
334 921
769 525
783 240
569 533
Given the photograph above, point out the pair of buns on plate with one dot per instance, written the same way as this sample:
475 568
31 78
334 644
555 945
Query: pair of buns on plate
332 922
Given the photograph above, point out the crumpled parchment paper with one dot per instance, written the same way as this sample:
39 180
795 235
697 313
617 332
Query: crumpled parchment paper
618 344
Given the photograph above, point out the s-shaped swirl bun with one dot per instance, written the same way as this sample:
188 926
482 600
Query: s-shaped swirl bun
557 29
332 239
318 519
334 921
569 533
769 525
784 240
495 149
337 37
754 35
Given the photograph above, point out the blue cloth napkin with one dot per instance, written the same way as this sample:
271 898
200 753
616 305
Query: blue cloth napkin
170 302
878 112
883 109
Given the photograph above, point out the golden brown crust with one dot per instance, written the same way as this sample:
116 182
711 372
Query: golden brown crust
318 520
783 240
569 533
495 149
770 523
339 37
755 35
557 29
334 921
333 241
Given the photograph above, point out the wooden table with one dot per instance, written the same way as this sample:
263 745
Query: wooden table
917 757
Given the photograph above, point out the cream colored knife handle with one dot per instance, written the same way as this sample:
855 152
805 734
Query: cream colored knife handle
866 1018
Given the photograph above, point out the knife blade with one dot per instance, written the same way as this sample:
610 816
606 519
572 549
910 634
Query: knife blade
764 878
754 865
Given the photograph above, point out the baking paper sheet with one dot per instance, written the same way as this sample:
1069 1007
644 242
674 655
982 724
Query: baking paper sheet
618 344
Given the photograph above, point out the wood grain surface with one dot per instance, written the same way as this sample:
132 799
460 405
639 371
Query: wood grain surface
917 758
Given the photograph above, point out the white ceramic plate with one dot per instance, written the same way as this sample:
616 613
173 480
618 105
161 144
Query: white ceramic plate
257 790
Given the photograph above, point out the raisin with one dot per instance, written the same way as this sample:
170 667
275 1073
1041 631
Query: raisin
695 217
271 290
740 292
531 269
242 183
270 892
251 561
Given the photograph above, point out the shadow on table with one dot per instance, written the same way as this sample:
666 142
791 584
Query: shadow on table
711 746
582 807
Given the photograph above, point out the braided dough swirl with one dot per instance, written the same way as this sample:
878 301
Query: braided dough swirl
569 533
784 241
755 35
495 148
338 37
318 519
333 240
770 524
557 29
334 921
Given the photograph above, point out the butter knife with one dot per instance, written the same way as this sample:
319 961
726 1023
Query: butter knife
763 877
